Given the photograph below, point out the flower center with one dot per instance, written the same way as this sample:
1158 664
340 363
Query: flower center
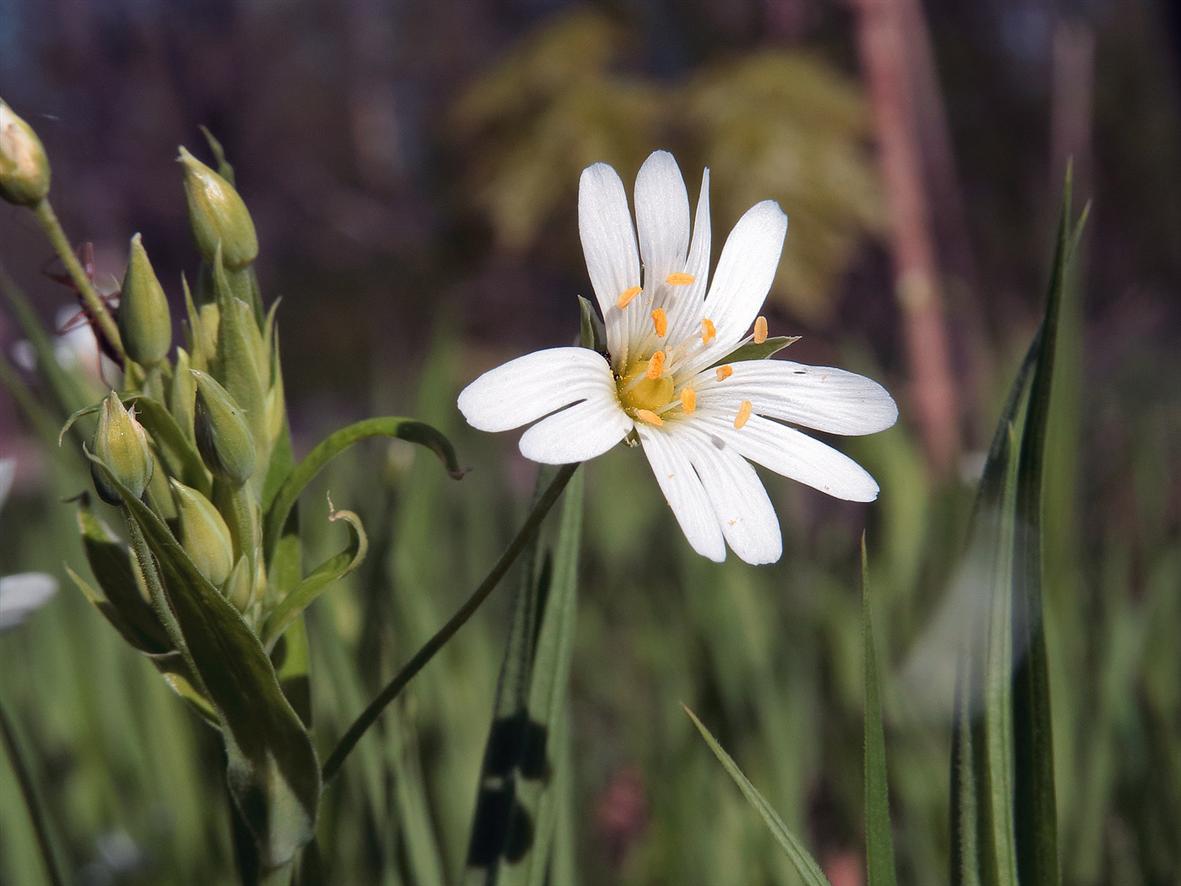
639 391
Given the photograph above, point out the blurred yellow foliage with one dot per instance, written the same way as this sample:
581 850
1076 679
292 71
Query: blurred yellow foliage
780 124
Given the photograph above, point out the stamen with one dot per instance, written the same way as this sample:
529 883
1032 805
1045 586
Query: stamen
649 417
688 400
724 372
656 365
679 279
760 330
743 415
626 296
660 322
708 331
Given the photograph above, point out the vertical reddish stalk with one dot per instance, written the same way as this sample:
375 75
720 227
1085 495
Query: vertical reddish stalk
883 51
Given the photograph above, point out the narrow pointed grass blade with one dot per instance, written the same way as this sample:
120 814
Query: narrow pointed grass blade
800 858
879 842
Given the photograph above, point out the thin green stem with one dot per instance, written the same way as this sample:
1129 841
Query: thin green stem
95 306
32 802
524 535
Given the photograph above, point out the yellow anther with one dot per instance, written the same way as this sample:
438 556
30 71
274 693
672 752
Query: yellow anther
656 365
708 331
679 279
688 400
660 322
626 296
649 417
724 372
743 414
760 330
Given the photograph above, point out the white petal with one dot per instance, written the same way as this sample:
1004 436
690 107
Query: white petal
23 593
745 271
741 506
662 218
794 454
608 243
525 389
684 310
579 433
686 496
819 397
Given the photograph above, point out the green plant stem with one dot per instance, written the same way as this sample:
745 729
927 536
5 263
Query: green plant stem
32 802
391 690
95 306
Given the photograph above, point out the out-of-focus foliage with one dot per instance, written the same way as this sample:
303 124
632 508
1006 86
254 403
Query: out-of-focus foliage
784 124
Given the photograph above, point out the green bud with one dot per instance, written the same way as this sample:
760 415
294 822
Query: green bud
204 534
144 319
122 445
238 588
182 394
24 168
223 437
218 215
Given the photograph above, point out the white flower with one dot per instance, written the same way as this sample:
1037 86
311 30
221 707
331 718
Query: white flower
665 379
25 592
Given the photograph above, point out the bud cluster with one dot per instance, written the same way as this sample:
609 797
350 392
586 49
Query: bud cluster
221 390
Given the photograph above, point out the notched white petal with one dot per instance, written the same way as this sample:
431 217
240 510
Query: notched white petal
819 397
582 432
608 243
684 491
525 389
746 269
741 506
662 217
794 454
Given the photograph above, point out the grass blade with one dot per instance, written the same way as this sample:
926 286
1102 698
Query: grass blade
805 865
879 841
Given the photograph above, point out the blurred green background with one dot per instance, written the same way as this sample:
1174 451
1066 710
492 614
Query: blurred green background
412 170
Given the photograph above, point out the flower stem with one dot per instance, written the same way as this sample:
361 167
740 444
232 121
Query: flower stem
32 802
94 304
524 535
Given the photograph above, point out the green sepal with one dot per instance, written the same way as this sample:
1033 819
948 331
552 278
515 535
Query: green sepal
591 333
764 351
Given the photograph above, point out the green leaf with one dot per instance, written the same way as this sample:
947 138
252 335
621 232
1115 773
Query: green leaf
548 684
331 570
402 428
173 445
272 772
879 841
502 830
120 601
764 351
803 862
1004 818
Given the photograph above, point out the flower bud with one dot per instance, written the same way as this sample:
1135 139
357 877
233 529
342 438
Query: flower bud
122 445
24 168
218 215
145 322
223 437
204 534
238 588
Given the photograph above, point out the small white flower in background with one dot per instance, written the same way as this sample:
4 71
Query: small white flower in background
25 592
665 378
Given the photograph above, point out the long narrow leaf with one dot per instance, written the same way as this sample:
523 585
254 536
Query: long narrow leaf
273 772
879 842
800 858
303 473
